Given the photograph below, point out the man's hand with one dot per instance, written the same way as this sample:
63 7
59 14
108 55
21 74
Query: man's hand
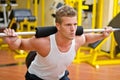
10 32
107 31
11 35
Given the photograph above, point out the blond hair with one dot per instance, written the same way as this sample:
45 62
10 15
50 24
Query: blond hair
64 11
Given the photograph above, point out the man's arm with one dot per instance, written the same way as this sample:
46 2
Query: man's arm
93 37
15 42
33 43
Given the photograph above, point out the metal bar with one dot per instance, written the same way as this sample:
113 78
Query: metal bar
99 30
94 13
19 33
33 33
42 12
79 12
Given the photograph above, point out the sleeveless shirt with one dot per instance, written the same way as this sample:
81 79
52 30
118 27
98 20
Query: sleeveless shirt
53 66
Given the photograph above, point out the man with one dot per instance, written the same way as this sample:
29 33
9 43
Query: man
57 51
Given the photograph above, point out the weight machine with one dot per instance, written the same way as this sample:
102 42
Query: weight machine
21 20
95 56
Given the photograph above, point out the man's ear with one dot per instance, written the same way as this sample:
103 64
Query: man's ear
58 26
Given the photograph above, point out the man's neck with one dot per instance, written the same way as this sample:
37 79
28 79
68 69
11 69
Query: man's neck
63 43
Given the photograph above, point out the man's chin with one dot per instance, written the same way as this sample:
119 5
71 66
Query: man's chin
71 38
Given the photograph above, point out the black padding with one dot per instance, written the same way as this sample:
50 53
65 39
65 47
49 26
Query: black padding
31 18
13 1
95 44
21 14
30 57
79 30
2 1
19 18
46 31
115 23
22 18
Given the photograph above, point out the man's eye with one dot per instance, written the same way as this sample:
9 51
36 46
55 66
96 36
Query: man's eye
68 25
75 24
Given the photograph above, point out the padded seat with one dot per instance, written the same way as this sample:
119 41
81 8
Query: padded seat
22 14
22 19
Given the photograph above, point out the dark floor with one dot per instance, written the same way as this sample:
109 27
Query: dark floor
14 69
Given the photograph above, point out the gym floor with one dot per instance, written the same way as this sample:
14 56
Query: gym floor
15 69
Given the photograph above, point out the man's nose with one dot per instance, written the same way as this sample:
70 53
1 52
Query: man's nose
72 27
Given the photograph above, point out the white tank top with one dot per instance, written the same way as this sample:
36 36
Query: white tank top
53 66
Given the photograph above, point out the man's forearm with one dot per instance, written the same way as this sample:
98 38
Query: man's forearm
15 43
91 37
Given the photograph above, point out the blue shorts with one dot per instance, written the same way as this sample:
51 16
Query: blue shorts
29 76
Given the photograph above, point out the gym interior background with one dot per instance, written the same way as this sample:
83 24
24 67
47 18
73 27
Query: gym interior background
97 61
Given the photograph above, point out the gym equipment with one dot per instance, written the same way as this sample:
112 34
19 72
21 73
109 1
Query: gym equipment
3 4
22 14
21 20
35 9
13 1
115 23
30 57
2 1
21 17
6 6
79 6
94 53
46 31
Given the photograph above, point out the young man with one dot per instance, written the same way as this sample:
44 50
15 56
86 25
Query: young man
57 51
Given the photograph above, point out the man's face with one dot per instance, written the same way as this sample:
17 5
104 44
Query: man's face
68 27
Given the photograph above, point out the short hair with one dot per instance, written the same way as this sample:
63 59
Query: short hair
64 11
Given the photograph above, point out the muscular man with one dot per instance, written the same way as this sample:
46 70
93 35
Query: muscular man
55 52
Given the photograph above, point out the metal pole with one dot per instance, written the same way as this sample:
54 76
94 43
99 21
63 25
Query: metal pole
33 33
